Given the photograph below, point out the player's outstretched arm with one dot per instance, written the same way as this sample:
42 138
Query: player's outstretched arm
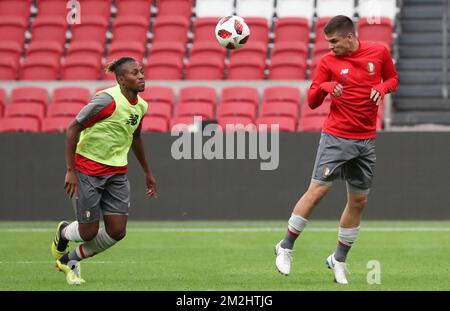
70 181
138 150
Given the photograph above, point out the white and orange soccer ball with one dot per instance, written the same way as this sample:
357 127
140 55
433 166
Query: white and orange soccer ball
232 32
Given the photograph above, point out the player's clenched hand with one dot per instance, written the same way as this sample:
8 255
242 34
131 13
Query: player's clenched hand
334 88
71 184
337 91
151 185
376 95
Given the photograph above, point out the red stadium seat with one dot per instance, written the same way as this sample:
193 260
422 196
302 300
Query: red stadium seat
322 110
240 94
37 95
167 50
177 123
236 123
168 28
318 29
320 49
205 69
246 69
8 69
207 50
2 101
198 94
80 69
20 124
41 49
280 109
292 68
311 123
64 109
2 97
253 49
92 29
13 29
101 88
15 9
290 49
182 8
285 124
292 29
158 94
203 109
77 95
83 50
99 8
237 109
381 32
49 28
10 50
31 110
120 49
134 8
56 124
164 69
52 8
282 94
39 69
158 109
130 28
259 29
154 124
204 28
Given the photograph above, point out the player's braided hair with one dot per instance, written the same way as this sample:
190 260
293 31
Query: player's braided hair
115 65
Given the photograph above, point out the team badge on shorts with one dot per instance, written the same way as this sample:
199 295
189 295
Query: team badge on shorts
371 68
87 215
326 172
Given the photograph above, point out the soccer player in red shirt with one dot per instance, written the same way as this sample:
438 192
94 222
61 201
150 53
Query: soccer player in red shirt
357 75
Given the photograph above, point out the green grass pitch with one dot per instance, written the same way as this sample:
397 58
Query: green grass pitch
232 255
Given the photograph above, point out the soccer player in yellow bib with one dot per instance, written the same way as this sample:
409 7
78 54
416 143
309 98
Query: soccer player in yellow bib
97 146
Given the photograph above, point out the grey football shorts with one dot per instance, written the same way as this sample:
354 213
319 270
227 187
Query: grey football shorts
352 160
109 194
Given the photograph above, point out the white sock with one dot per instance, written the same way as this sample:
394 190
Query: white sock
347 236
100 243
71 232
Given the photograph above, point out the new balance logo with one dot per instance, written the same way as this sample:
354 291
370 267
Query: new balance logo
133 119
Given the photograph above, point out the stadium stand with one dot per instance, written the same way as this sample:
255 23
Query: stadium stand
175 42
422 97
214 8
296 8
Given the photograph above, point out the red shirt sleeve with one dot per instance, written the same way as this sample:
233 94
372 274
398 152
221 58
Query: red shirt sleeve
315 94
388 73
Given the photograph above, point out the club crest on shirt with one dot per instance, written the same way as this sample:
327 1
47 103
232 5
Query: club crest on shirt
371 68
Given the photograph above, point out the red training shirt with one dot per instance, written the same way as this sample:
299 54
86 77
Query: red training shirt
354 114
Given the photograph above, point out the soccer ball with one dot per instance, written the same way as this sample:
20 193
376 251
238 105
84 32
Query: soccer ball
232 32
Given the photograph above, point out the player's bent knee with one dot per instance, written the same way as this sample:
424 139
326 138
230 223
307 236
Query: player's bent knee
88 231
117 234
88 235
358 202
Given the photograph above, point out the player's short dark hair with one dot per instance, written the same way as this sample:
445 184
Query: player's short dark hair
341 24
116 65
